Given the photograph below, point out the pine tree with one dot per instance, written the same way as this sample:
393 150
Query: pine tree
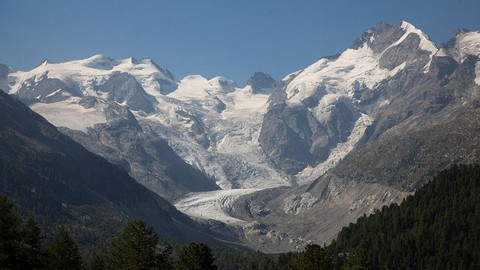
197 256
10 236
33 248
97 262
313 258
63 252
356 260
138 247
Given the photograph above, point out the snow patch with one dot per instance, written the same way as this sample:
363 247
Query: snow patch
53 93
466 43
69 114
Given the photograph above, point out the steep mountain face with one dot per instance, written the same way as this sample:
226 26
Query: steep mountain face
92 100
295 159
332 101
122 88
49 175
423 119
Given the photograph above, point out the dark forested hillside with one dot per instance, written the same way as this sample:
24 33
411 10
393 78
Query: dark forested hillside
437 228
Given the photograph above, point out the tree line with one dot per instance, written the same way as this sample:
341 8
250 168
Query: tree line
22 246
138 246
436 228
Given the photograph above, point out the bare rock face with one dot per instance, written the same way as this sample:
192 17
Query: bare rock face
383 36
46 90
262 83
295 139
314 110
124 88
408 52
145 156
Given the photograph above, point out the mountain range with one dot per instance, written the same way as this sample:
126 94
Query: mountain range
278 164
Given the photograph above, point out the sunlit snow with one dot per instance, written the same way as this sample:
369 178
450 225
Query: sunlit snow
70 115
467 43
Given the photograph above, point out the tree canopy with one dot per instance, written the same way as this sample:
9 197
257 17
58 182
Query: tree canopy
137 247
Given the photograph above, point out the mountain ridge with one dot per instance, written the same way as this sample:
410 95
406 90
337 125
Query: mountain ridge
288 136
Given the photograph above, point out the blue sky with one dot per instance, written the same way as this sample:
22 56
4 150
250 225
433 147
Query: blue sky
212 37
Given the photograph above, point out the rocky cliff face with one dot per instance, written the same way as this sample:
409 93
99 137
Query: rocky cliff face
262 83
390 75
123 88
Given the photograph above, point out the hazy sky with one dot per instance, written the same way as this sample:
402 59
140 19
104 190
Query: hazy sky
228 38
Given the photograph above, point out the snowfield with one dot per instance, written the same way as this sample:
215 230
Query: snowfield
69 114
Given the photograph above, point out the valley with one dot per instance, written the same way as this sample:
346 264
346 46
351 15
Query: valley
280 164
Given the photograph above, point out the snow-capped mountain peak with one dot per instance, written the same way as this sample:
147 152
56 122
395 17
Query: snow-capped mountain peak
425 43
378 54
84 75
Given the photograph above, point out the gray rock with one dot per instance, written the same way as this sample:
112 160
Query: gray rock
262 83
408 51
123 87
294 139
146 157
383 36
46 90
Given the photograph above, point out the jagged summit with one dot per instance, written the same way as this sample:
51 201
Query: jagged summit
95 70
383 35
261 83
376 55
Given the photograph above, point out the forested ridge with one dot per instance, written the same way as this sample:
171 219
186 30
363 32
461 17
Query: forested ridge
437 228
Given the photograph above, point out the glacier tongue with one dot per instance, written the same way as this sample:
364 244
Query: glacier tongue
212 204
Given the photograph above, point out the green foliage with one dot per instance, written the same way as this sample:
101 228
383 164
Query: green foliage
229 259
63 252
33 246
356 260
10 236
196 256
313 258
97 262
138 247
438 227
